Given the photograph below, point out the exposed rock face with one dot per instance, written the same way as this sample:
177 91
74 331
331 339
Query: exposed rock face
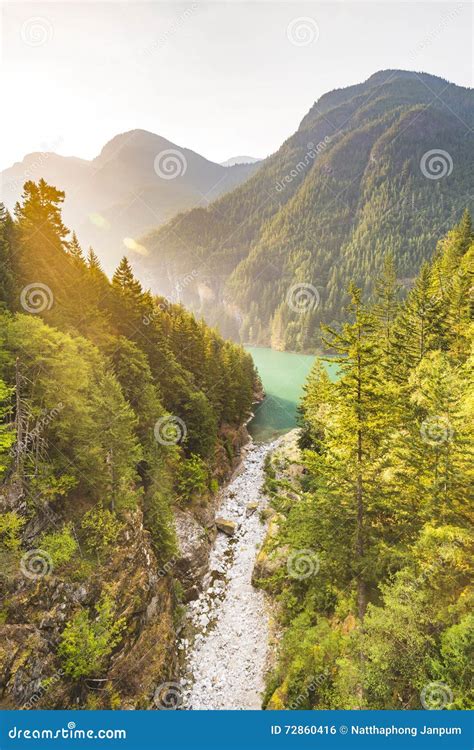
38 610
35 611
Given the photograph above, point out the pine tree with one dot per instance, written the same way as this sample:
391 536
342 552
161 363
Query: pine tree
124 280
93 261
6 260
386 305
74 250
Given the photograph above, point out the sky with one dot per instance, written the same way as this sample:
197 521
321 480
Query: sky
222 78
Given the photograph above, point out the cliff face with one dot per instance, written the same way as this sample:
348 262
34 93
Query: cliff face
37 603
39 608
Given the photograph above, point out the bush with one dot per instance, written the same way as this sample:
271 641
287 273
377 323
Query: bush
102 528
192 478
60 545
11 525
86 644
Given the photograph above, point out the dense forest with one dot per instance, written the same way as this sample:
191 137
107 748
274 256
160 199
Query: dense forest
382 164
370 551
116 409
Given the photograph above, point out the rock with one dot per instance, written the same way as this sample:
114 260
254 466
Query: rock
250 509
267 513
228 527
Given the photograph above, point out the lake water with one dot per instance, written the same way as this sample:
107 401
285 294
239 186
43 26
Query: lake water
283 375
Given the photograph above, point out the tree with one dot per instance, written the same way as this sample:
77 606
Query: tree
75 251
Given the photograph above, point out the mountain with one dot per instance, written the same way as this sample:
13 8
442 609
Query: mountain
138 181
380 166
239 160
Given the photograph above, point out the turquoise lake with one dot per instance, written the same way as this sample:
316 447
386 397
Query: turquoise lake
283 375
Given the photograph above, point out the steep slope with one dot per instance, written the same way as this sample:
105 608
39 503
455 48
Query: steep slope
119 418
355 181
138 181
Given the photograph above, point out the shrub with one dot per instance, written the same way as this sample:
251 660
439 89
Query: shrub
192 478
60 545
86 644
11 525
102 528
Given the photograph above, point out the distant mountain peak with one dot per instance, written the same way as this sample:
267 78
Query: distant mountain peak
240 160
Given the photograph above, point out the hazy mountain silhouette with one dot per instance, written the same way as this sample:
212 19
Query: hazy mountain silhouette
120 194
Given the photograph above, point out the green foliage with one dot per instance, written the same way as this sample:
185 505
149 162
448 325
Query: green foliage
6 433
101 528
60 545
192 479
384 501
87 643
11 525
325 216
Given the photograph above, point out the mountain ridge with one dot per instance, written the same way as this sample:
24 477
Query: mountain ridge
123 192
344 189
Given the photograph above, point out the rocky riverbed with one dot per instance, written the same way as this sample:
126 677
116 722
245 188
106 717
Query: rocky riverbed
226 661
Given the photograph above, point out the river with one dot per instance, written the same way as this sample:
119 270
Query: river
225 667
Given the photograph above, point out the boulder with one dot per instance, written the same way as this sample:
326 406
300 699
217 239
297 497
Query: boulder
251 508
228 527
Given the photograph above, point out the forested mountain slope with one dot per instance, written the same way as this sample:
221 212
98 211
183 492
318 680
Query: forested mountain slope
355 180
370 549
117 413
138 181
